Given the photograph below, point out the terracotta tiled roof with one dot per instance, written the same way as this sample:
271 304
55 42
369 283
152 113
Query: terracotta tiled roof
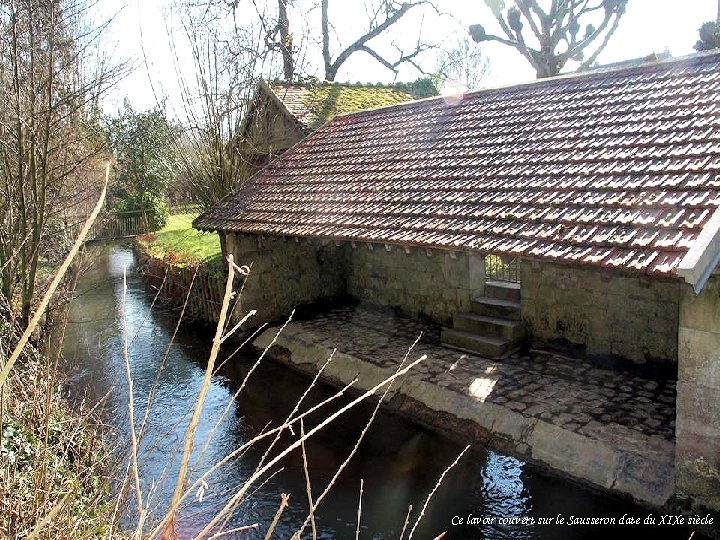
314 104
615 169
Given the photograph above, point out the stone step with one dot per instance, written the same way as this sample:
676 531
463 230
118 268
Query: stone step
489 347
489 326
503 290
496 307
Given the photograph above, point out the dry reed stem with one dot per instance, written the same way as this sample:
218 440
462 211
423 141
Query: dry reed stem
156 381
359 440
298 403
283 504
407 522
244 447
245 379
437 485
235 328
190 434
49 517
239 495
232 400
235 530
131 410
49 394
35 320
307 480
359 512
247 340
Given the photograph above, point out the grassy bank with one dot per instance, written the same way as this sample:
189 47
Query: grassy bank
178 243
52 458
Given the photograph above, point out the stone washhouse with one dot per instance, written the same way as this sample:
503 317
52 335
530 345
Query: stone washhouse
282 114
601 190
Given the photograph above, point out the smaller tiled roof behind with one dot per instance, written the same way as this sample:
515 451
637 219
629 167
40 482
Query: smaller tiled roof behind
313 104
615 169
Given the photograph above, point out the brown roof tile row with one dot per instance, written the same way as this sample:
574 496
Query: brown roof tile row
617 169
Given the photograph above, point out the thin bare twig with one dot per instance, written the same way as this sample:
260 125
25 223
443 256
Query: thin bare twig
245 446
54 283
235 530
241 492
437 485
307 480
190 434
297 406
283 504
407 522
133 434
35 533
359 440
359 512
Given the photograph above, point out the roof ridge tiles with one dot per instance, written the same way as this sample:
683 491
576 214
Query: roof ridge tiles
659 66
617 168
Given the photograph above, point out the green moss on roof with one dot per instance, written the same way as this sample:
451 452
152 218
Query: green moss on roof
327 102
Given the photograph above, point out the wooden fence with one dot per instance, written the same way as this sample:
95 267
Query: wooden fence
203 287
115 225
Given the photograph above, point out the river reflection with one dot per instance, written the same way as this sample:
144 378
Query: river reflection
400 463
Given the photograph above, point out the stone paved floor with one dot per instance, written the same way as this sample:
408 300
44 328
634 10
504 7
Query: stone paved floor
570 392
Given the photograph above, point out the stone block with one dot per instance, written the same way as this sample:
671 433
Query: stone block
692 446
243 243
576 454
696 478
455 272
701 312
476 272
698 409
699 354
645 479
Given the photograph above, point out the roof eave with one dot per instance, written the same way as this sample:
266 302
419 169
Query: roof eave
704 256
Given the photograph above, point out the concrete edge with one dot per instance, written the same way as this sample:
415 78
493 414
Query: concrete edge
648 480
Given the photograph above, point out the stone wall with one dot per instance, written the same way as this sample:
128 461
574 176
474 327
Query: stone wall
284 274
697 462
432 283
606 313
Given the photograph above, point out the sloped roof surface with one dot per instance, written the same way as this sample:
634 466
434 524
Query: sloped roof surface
615 169
314 104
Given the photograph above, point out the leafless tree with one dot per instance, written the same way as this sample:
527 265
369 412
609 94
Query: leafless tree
49 93
382 16
216 90
289 24
463 66
556 30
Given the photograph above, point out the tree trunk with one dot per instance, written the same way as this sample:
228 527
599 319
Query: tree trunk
329 71
285 41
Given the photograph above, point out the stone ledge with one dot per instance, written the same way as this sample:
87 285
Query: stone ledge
608 462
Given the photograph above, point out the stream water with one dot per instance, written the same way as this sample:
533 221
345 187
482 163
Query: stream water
399 462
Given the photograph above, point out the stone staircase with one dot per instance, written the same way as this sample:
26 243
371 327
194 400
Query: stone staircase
493 327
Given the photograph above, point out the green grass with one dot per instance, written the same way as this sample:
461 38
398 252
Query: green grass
178 242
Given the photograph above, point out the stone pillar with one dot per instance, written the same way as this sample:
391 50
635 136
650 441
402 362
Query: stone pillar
476 264
697 456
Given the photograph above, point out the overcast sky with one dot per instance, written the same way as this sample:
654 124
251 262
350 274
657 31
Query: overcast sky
142 25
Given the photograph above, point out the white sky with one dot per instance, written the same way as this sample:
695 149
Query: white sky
648 26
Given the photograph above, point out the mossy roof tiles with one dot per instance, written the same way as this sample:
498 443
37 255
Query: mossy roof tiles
616 168
314 104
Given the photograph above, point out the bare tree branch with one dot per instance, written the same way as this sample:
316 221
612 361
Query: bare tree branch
393 13
560 24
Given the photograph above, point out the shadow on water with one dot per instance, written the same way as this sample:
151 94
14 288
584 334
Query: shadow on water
400 463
